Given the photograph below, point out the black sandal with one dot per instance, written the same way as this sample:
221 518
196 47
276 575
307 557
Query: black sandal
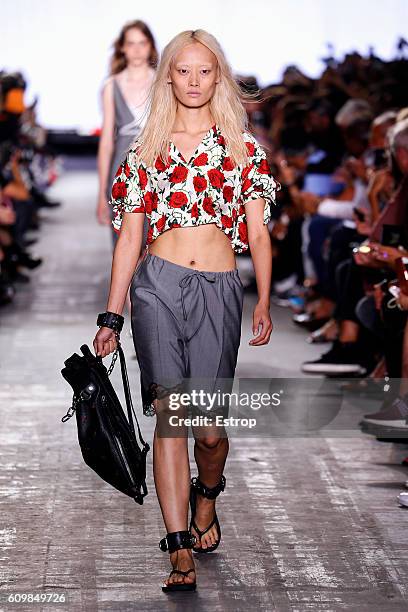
176 541
197 487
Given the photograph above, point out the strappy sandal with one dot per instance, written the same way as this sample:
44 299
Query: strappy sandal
197 487
327 333
176 541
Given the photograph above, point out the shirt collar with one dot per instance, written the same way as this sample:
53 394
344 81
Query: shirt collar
209 140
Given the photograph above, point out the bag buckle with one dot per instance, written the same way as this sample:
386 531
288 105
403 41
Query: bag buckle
87 393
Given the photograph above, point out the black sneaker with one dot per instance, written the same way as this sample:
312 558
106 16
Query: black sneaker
342 358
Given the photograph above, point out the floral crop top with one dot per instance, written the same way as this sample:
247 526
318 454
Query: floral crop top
207 189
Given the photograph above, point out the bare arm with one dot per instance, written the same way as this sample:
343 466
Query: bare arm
105 147
125 257
377 183
261 251
374 205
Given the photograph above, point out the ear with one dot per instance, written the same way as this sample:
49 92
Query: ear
218 79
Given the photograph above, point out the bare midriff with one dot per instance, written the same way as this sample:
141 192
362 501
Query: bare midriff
204 247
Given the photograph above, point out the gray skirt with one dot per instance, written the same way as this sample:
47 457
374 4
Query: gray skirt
186 326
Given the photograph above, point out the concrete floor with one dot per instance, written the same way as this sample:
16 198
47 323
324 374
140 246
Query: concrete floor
308 523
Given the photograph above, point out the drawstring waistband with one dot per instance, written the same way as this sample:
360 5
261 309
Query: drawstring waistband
185 281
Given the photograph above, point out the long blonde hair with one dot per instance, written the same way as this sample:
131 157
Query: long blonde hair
226 105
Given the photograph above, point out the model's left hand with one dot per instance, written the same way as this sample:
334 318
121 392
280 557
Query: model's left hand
261 317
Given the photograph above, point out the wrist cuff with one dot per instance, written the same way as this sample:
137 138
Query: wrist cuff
110 319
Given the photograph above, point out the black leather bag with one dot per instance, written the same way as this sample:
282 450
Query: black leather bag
107 439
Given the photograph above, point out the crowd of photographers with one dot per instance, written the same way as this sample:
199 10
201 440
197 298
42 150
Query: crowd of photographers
27 168
339 146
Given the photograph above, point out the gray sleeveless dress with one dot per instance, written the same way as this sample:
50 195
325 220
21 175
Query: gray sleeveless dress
129 122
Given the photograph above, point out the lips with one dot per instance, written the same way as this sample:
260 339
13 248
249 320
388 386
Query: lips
194 93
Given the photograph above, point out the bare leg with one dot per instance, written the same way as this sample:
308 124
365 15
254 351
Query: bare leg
210 452
329 331
348 331
321 308
171 471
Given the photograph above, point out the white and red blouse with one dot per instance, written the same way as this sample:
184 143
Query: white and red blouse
209 188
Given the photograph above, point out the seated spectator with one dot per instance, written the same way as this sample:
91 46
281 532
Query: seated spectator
370 262
24 175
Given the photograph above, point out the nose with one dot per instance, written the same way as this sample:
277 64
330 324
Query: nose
194 80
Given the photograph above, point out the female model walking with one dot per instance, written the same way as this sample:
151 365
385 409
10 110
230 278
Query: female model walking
125 95
205 186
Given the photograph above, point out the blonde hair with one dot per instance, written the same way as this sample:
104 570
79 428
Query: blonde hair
402 114
398 135
226 105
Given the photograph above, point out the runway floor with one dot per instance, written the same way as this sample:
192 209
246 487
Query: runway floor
309 523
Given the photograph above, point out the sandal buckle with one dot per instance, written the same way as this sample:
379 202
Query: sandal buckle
163 545
209 493
177 540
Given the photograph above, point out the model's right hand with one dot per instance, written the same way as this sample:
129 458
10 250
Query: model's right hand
103 212
104 341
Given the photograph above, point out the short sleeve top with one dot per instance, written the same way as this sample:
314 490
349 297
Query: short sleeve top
209 188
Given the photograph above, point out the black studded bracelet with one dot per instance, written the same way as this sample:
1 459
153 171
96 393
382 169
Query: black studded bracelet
110 319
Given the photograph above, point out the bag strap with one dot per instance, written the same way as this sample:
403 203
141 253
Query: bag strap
128 396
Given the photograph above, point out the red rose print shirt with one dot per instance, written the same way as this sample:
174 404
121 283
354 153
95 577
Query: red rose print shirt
210 188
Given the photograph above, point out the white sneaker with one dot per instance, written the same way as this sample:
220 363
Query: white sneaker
403 499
